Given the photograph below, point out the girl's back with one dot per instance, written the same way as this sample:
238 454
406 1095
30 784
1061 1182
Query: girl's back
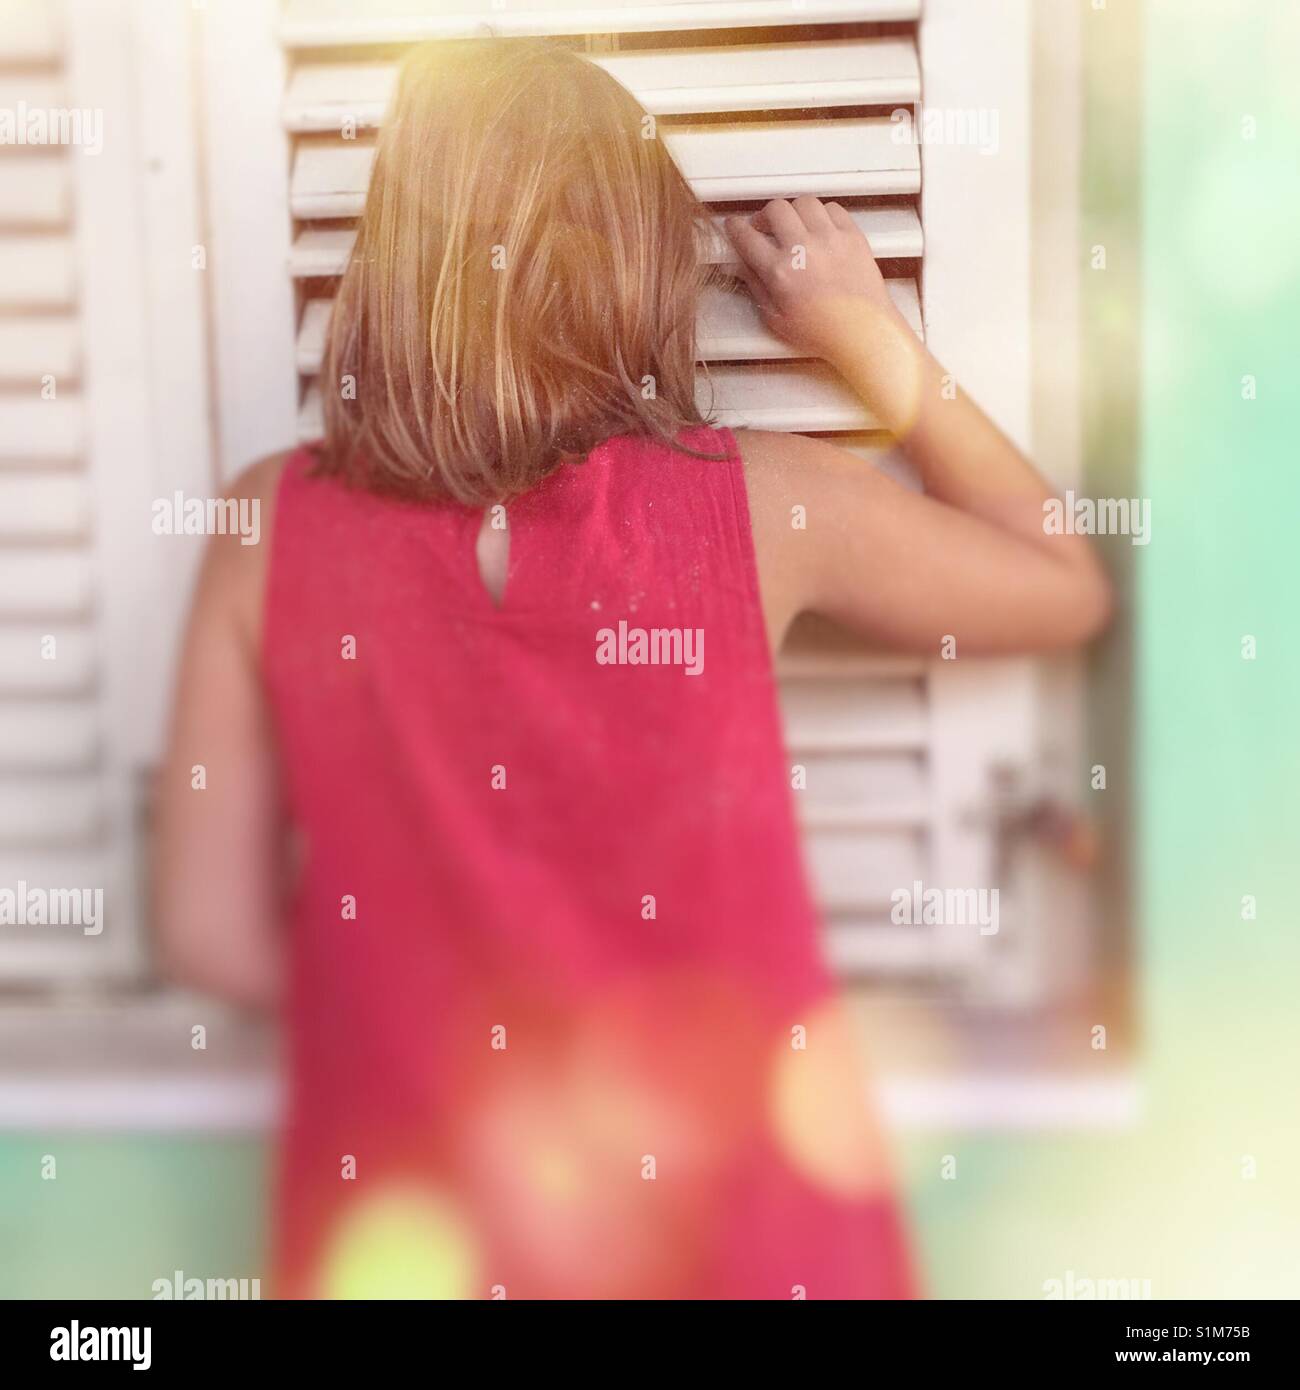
554 976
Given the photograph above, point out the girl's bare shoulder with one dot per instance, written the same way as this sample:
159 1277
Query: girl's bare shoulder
262 479
780 474
233 580
778 465
771 451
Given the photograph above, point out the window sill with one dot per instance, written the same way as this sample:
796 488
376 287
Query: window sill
128 1066
249 1102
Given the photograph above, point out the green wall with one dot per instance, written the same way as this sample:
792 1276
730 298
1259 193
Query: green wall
122 1212
1216 759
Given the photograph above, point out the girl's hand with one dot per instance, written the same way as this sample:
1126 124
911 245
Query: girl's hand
812 275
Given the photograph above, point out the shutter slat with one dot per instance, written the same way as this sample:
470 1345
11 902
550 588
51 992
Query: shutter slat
892 232
23 670
311 335
321 97
855 789
898 815
44 507
679 81
777 396
783 159
35 191
834 658
56 737
37 272
770 77
323 252
50 811
330 180
41 431
44 582
880 947
326 23
730 327
754 159
855 871
31 346
774 397
869 717
311 418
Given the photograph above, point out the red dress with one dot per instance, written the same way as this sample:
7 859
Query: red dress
558 1023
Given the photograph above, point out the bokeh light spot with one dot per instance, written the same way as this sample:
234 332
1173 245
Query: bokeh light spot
402 1244
819 1108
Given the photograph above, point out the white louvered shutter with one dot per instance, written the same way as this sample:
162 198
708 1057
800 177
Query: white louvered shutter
52 812
68 417
755 99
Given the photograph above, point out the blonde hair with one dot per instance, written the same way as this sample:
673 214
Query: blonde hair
525 280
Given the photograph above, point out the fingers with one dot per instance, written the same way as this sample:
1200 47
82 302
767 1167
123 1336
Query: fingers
783 223
843 222
757 290
813 214
757 252
762 240
789 221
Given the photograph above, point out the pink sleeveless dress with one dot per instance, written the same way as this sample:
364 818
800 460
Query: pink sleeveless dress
558 1024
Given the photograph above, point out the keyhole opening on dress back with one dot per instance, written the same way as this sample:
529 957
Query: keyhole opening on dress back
492 552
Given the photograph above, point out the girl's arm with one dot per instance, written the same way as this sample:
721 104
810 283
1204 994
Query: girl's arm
217 852
970 558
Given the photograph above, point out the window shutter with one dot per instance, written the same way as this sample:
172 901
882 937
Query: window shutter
792 109
755 99
66 801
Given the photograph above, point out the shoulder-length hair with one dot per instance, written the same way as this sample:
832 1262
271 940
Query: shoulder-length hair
525 279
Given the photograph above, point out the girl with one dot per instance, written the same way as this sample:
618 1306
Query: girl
557 1021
